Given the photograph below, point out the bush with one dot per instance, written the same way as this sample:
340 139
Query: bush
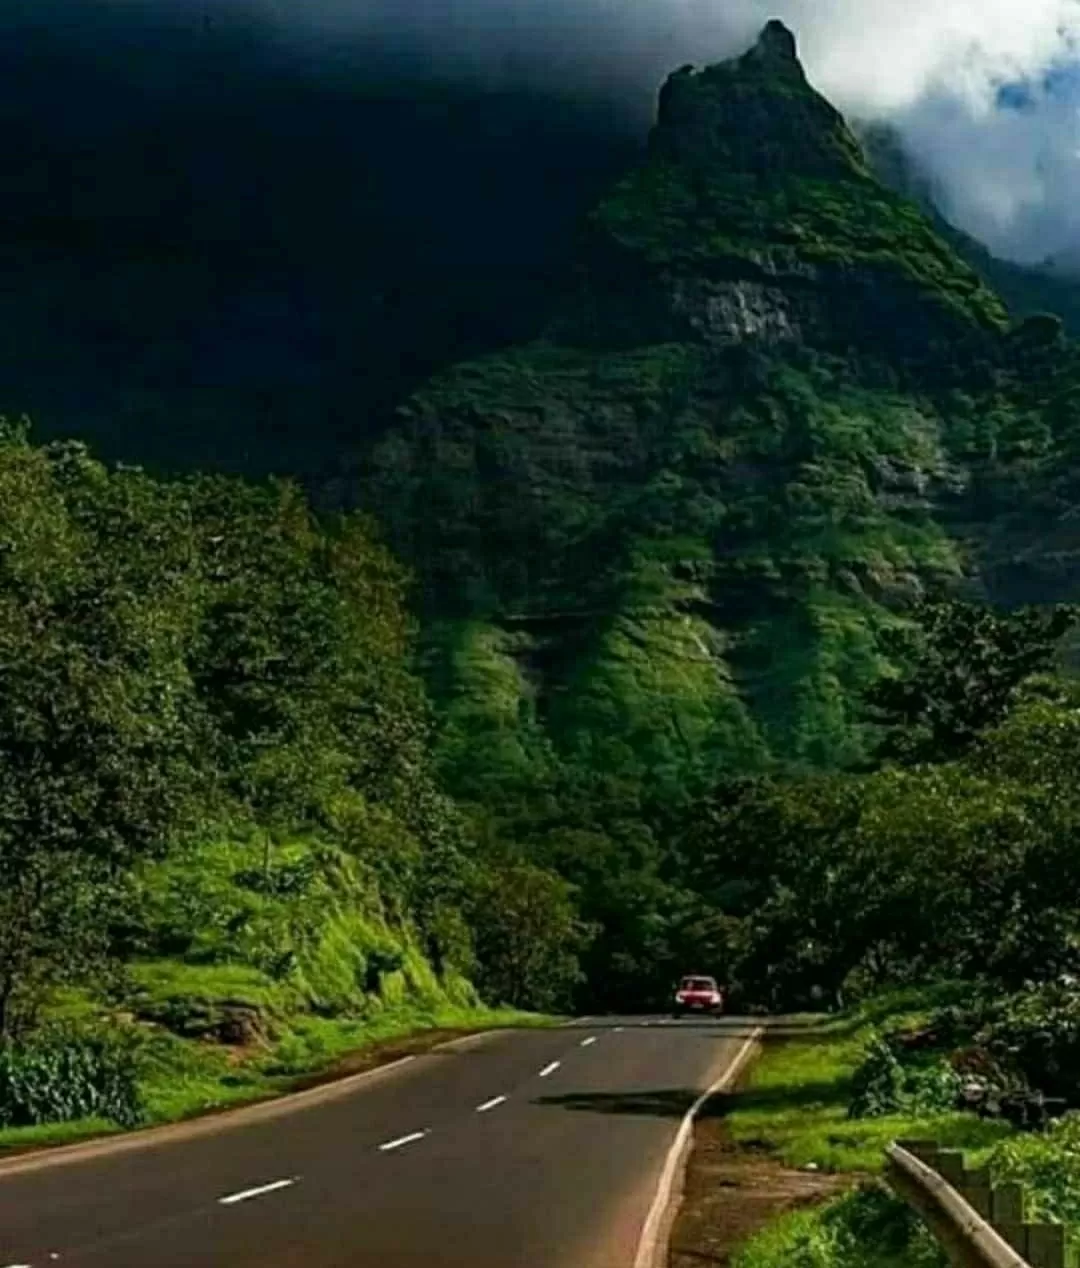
381 961
884 1084
1047 1164
1035 1034
64 1075
867 1228
871 1226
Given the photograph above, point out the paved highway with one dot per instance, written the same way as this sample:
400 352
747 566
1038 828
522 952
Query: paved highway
520 1149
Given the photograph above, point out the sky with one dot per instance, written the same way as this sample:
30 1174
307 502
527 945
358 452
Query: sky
984 93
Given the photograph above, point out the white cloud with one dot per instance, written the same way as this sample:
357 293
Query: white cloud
888 55
934 68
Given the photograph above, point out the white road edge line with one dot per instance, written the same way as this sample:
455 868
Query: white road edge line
490 1105
402 1140
550 1069
585 1042
245 1194
648 1247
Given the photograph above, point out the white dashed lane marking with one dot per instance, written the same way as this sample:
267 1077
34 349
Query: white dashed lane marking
401 1140
550 1069
246 1194
585 1042
490 1105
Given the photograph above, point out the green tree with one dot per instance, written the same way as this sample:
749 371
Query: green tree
99 727
960 667
528 937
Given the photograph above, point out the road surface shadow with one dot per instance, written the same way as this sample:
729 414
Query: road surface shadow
676 1102
734 1027
649 1103
715 1029
769 1033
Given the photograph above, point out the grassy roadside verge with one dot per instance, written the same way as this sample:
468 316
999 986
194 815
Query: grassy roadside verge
181 1079
796 1098
795 1107
790 1123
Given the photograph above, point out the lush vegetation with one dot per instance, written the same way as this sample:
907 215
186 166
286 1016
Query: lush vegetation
802 1099
869 1226
723 580
866 1228
713 656
220 817
913 1064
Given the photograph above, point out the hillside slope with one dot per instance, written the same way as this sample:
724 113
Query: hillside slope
1025 288
774 405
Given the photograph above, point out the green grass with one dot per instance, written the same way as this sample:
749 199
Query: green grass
354 991
315 1043
797 1098
165 978
16 1139
796 1105
183 1079
866 1228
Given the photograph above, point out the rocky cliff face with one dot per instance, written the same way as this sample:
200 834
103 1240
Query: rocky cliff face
774 404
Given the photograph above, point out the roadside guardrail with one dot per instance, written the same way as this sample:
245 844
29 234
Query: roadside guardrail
979 1224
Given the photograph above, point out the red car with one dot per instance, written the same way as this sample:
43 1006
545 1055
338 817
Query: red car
698 995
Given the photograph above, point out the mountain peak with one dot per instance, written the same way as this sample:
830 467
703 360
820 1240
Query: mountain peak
754 114
755 217
777 42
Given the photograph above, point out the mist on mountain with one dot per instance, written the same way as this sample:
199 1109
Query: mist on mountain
236 232
985 94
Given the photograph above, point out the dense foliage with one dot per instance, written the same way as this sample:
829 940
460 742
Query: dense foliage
216 753
866 1228
63 1076
705 573
678 531
706 675
885 1085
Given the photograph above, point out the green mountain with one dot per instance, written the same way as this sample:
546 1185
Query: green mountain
671 537
1025 288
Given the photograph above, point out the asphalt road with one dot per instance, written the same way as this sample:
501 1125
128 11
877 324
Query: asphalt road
523 1149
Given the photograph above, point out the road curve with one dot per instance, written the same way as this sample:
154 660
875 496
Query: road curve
520 1149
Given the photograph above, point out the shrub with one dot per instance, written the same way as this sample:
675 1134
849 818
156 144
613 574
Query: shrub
871 1226
884 1084
381 961
1035 1034
866 1228
65 1074
1047 1164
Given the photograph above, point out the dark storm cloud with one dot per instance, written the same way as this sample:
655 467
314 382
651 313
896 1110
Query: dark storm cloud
946 73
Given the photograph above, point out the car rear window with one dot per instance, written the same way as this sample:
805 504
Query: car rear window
698 984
